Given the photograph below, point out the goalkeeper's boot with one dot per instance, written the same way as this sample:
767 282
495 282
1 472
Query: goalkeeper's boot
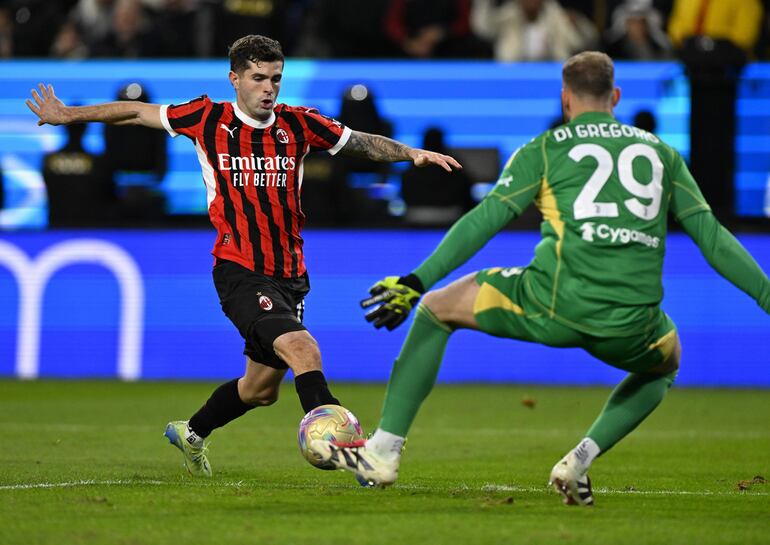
194 456
572 483
369 468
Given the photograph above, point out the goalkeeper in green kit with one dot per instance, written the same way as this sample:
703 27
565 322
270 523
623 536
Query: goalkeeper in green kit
605 190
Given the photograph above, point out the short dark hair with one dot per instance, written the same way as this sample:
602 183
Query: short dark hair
253 48
589 74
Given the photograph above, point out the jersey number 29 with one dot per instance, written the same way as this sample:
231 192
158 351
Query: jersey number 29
586 205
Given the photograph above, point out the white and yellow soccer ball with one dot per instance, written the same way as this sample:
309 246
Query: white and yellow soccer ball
329 423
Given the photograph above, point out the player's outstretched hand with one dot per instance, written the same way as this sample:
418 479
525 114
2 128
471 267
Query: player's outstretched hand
423 158
395 301
47 106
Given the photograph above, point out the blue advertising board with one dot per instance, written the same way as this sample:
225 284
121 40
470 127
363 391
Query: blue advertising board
141 305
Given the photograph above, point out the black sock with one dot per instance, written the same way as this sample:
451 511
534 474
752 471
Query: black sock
223 406
313 391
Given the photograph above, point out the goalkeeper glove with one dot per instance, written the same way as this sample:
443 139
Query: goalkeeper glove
396 297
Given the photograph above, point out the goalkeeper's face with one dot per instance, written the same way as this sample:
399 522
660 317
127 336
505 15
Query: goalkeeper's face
257 88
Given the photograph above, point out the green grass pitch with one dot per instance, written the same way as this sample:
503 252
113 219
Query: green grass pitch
85 462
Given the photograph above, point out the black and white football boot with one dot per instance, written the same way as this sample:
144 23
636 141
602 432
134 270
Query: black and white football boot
571 483
368 468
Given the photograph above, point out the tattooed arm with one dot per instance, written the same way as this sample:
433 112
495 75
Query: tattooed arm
380 148
377 148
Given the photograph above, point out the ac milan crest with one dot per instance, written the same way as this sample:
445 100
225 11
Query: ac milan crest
282 136
265 303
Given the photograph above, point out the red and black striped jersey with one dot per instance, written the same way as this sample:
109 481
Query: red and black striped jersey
253 176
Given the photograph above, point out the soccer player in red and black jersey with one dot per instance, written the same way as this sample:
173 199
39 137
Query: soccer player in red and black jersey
251 154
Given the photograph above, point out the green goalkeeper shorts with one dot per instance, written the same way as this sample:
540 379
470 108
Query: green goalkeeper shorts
503 309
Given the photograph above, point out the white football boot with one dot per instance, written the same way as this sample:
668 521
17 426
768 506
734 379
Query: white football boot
571 482
369 468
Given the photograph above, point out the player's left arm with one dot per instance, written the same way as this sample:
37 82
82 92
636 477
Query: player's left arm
720 248
381 148
728 256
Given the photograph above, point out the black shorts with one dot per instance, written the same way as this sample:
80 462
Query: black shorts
261 307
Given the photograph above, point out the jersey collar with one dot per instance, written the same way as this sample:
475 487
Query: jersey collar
250 121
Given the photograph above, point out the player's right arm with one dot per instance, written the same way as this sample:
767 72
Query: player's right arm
720 248
465 238
516 188
51 110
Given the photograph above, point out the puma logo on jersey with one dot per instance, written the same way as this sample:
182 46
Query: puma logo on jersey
622 235
505 180
228 129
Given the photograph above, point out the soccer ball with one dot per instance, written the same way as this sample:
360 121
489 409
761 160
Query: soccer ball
329 423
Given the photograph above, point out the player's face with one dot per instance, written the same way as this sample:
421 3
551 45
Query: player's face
257 88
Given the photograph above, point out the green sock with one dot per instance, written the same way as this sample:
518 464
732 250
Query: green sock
414 372
630 403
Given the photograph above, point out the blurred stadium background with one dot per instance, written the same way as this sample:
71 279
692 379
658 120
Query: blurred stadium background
104 241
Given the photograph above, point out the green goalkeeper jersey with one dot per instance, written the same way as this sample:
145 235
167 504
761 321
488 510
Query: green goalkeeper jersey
604 190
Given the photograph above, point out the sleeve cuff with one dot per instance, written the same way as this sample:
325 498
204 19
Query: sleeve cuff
346 132
411 280
164 121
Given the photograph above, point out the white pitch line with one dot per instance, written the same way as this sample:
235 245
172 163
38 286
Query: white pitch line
610 491
485 488
87 482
